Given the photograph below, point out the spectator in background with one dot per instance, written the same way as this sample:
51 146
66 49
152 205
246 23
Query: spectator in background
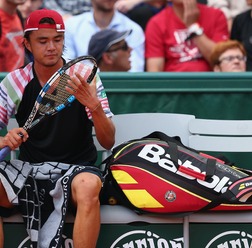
29 6
67 8
182 36
11 36
126 5
24 11
231 8
140 11
228 56
110 50
242 31
79 30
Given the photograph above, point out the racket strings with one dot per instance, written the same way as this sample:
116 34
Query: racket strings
56 96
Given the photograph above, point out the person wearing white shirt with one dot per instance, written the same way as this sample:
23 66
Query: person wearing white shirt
80 28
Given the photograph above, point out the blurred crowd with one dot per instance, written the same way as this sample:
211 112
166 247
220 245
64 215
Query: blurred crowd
140 35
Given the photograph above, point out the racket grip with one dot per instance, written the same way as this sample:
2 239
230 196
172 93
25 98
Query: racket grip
4 152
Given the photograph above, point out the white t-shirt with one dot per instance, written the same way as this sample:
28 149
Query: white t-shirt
80 28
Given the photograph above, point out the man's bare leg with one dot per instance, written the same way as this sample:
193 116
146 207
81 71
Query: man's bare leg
85 193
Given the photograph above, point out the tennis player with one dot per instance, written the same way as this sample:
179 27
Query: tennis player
55 171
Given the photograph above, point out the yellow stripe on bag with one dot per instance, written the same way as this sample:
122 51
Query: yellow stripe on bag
123 177
138 197
142 199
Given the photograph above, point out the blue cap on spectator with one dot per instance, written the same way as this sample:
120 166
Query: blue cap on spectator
101 41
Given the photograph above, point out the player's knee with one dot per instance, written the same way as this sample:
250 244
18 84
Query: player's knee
86 188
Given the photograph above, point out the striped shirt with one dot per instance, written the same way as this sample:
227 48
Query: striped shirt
13 86
66 137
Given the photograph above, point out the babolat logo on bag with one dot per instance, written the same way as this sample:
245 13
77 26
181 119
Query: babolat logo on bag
158 174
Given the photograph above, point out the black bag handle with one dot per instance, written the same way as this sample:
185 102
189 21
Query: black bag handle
173 143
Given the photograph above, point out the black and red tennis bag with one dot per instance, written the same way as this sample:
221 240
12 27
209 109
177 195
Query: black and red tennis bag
158 174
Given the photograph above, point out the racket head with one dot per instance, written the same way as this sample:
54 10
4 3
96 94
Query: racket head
53 97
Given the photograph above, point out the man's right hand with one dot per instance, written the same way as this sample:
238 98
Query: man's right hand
14 138
191 12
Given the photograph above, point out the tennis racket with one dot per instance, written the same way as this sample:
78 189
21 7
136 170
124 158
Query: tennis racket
53 97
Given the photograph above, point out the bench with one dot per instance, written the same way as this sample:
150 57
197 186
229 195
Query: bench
121 227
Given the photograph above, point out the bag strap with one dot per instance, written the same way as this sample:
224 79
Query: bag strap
166 138
239 192
173 143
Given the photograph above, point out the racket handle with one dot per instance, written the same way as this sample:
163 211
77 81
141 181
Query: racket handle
4 152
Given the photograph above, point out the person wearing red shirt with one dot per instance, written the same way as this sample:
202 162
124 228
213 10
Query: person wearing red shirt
182 36
11 36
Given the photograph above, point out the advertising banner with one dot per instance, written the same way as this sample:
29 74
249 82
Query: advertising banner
144 235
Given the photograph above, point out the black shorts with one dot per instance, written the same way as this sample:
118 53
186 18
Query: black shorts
94 170
44 187
7 212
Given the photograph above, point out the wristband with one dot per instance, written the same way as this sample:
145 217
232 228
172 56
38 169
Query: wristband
194 30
